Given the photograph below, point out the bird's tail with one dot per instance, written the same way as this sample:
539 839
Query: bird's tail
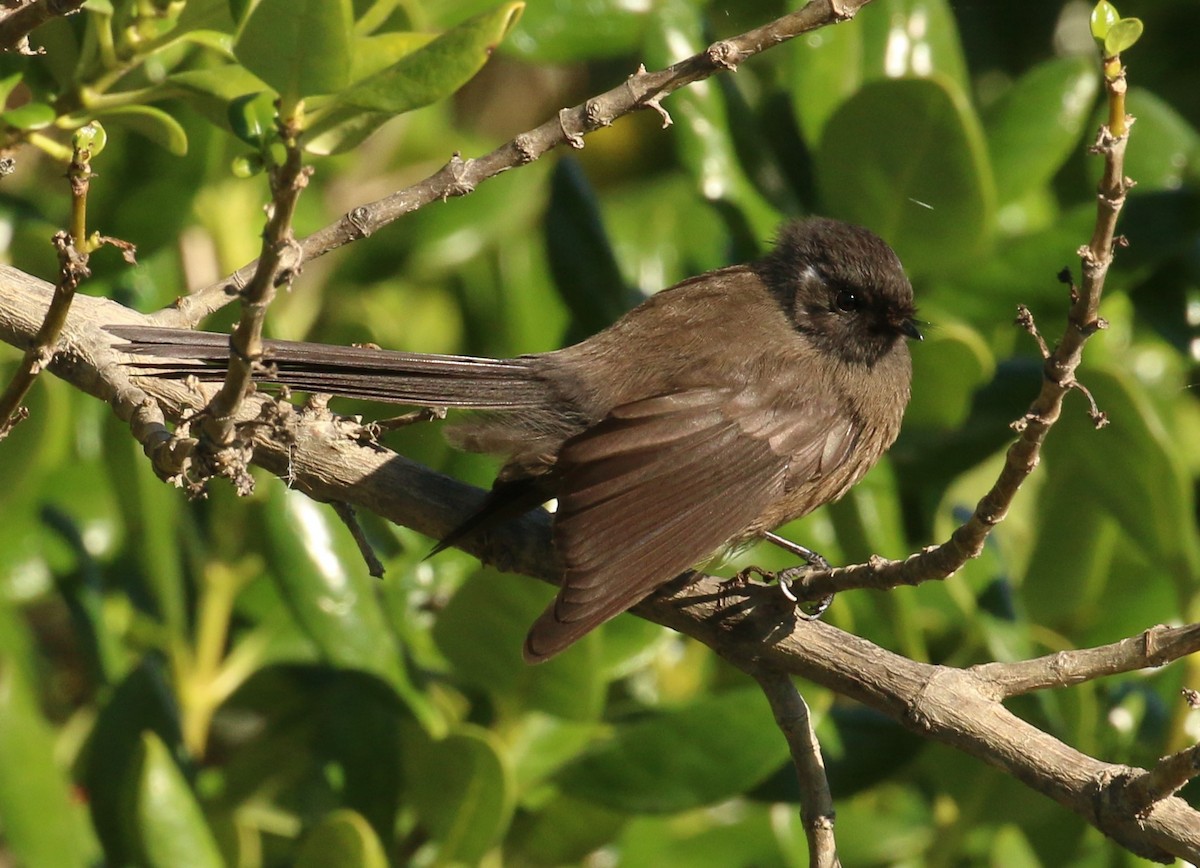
423 380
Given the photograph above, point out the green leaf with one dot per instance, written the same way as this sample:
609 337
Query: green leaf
300 48
1122 35
153 123
1152 502
948 366
1103 17
581 258
373 54
419 78
331 596
665 762
252 117
907 158
826 68
570 31
43 823
502 608
913 39
437 70
342 838
462 790
702 128
31 116
164 816
1167 144
1038 123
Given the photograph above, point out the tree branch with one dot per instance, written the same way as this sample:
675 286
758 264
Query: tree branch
459 177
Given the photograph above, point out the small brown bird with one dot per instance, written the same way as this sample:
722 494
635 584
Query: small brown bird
712 413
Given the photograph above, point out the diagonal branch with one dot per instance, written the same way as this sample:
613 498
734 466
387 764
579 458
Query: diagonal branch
642 90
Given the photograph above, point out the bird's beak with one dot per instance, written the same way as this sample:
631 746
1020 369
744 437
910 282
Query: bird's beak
909 329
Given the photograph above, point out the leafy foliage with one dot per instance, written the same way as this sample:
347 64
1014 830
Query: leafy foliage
222 676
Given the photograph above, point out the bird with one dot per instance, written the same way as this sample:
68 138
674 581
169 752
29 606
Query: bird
707 416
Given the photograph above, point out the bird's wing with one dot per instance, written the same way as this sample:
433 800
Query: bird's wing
661 484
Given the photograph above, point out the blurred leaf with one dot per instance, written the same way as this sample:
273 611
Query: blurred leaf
482 630
252 118
702 128
1122 35
375 53
163 815
1131 469
887 825
1164 145
664 762
301 48
153 123
825 69
1038 123
581 258
568 31
211 91
424 76
563 831
141 703
43 822
740 837
334 601
31 116
948 366
913 38
907 159
345 839
462 791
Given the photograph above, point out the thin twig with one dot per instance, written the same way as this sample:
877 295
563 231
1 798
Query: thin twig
346 513
72 270
816 801
642 90
941 561
1169 775
277 265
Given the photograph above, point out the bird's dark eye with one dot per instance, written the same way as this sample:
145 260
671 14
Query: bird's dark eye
847 300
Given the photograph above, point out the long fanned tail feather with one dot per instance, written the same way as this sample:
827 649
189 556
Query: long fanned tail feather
425 380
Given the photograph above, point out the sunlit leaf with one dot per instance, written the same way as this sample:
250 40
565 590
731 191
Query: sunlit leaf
299 47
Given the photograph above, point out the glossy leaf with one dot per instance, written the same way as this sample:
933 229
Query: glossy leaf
419 78
375 53
1039 122
342 838
165 818
153 123
332 600
462 790
907 159
826 68
31 116
573 30
664 762
1104 16
436 70
702 127
948 366
913 39
300 48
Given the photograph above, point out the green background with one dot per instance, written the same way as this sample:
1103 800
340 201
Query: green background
220 681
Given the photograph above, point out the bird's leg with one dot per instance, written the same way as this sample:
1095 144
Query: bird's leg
809 610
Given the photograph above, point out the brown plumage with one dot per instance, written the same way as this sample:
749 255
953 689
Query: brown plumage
717 410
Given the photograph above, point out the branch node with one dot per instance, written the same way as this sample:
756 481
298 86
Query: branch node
1025 321
458 186
359 221
724 55
573 139
593 111
526 152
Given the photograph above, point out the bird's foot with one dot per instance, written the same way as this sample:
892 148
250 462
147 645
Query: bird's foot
809 610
